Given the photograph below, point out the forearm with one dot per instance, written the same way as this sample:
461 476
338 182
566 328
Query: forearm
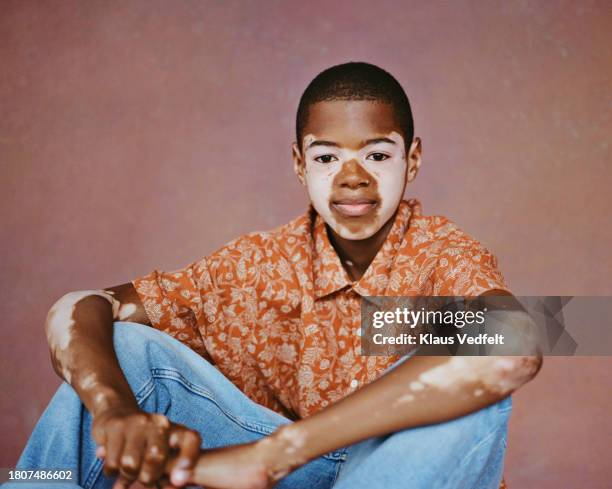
423 390
79 329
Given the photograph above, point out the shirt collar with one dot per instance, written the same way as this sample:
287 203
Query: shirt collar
328 273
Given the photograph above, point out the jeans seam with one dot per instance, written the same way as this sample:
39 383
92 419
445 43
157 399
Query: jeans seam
339 464
171 374
469 454
252 426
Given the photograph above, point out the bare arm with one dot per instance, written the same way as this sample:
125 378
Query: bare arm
79 330
423 390
420 391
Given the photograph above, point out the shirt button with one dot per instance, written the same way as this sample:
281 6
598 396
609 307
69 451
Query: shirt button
354 383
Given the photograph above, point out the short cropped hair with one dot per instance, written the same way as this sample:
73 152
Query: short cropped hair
356 81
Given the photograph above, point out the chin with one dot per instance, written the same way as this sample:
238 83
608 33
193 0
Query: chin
363 233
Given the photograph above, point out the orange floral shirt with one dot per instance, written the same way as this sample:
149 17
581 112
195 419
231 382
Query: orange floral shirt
279 316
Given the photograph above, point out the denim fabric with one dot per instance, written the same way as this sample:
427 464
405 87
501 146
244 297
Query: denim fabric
167 377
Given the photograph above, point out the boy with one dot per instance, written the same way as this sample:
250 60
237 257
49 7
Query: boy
266 384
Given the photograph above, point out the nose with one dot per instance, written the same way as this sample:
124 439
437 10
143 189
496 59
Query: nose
353 176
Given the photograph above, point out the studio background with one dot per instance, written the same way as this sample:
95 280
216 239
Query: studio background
146 134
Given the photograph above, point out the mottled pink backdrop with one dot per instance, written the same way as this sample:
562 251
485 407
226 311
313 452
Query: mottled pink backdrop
146 134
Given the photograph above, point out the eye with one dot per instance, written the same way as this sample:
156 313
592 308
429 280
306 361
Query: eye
377 157
326 158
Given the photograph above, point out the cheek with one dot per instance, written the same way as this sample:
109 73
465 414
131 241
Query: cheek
390 180
319 181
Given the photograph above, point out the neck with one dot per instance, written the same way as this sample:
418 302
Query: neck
357 254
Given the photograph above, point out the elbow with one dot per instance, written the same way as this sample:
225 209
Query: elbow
528 367
51 320
513 372
59 321
502 375
535 362
529 362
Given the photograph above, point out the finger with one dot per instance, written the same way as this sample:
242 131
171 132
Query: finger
188 443
98 430
133 452
155 456
100 451
113 448
98 433
121 483
164 483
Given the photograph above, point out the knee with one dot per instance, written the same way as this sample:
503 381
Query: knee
484 423
488 417
137 345
129 337
457 435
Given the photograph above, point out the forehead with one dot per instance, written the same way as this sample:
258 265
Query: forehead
349 122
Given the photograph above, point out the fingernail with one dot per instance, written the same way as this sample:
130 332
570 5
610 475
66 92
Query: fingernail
100 452
180 476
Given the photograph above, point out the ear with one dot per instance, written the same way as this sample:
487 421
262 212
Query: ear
299 165
413 159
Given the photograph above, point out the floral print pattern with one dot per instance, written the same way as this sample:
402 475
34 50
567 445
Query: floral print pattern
279 316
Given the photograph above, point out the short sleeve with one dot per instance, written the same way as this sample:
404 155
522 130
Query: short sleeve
466 268
172 301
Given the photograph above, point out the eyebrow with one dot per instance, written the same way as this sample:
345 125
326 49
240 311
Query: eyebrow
367 142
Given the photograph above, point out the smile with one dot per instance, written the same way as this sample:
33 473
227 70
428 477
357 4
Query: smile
354 207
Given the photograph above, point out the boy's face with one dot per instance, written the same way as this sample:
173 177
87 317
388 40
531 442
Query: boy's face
354 164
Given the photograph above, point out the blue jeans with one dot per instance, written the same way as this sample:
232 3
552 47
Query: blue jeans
167 377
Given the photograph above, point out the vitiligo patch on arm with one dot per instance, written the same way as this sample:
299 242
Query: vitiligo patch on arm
60 322
476 375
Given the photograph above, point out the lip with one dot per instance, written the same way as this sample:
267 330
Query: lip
354 207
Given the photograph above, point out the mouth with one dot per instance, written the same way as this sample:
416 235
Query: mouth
354 207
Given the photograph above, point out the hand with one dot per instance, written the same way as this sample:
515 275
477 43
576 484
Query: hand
137 445
233 467
256 465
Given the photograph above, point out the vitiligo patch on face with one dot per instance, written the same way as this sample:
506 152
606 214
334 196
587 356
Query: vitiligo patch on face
355 194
